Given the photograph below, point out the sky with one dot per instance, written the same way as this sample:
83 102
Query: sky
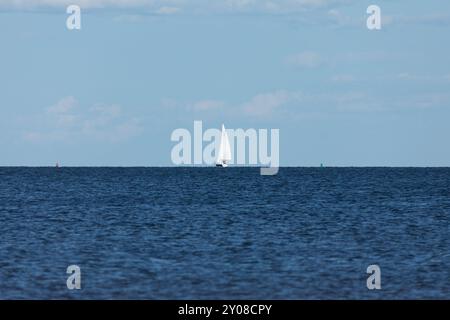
112 93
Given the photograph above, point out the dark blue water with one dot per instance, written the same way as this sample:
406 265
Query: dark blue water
204 233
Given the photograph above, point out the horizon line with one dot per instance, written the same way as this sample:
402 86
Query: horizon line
212 166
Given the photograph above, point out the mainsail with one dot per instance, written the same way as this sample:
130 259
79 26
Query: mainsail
224 154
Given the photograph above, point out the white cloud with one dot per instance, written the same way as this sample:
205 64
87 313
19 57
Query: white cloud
341 19
366 56
173 6
306 59
34 137
266 103
107 111
283 103
205 105
430 19
294 105
342 78
127 18
168 10
30 4
408 76
62 106
66 121
420 101
260 105
61 113
169 103
128 129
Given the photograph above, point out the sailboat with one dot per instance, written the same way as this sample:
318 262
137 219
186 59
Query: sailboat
224 154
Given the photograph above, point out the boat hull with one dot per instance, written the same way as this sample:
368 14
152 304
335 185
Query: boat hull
223 165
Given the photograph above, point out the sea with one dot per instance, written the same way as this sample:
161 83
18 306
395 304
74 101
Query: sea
225 233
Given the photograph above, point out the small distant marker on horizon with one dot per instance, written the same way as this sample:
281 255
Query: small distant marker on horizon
57 164
321 165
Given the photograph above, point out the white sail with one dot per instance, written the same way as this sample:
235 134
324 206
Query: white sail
224 154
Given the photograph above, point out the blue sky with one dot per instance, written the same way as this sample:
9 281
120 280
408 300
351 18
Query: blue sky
112 92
